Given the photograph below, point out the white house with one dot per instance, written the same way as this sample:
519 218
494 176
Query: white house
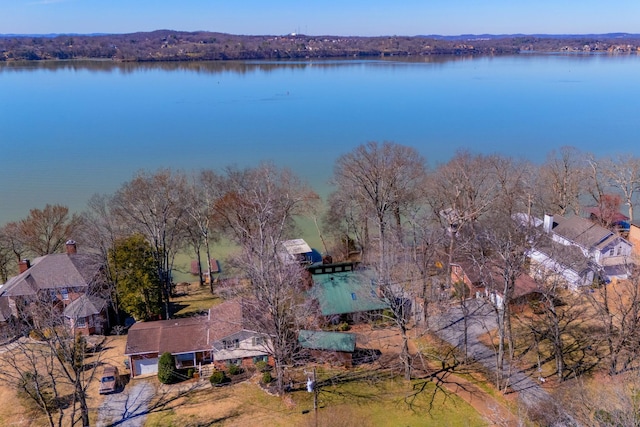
579 249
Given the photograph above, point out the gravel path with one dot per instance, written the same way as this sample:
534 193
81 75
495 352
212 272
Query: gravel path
127 408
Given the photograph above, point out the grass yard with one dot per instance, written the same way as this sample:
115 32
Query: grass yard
358 403
193 299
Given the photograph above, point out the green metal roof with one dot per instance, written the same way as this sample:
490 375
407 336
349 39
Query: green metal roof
345 292
331 341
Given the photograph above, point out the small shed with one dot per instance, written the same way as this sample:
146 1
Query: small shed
332 347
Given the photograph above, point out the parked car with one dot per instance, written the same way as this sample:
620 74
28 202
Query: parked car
110 380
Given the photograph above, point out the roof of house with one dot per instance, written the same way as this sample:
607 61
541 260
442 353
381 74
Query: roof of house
190 334
613 216
345 292
5 310
329 341
229 318
174 336
84 306
570 257
53 271
524 284
296 246
581 231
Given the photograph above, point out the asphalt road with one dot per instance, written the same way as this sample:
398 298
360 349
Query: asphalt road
449 326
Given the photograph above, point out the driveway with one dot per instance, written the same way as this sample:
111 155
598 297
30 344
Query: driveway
127 408
449 326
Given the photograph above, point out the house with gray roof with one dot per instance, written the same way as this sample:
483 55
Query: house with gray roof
58 279
579 244
87 315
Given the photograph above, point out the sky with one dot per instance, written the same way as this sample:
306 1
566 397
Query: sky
327 17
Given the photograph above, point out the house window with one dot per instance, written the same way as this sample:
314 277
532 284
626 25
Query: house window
81 322
619 250
231 344
353 296
256 341
64 294
257 359
611 252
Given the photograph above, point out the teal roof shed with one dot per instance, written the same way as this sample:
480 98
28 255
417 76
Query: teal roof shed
328 341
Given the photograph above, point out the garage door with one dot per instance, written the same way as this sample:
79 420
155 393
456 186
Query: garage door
146 366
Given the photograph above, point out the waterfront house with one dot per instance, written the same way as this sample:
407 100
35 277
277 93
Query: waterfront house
51 283
343 293
221 337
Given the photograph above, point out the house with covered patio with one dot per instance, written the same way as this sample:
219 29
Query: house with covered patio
221 337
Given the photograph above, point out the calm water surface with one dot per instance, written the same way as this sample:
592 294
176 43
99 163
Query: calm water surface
69 130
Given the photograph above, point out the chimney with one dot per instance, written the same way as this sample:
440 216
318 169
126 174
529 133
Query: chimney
71 247
24 265
548 223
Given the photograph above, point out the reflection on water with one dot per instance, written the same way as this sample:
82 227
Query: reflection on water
215 67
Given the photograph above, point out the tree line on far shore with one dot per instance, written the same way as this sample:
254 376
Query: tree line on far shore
165 45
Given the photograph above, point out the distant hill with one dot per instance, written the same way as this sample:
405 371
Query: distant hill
606 36
168 45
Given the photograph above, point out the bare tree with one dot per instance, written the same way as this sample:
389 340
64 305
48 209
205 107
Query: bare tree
153 205
198 218
562 179
623 175
44 231
55 369
617 307
460 192
256 209
384 179
100 230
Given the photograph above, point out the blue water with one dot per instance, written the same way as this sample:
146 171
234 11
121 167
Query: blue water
69 130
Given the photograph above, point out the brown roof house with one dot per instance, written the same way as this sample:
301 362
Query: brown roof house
186 339
482 283
222 337
55 280
234 339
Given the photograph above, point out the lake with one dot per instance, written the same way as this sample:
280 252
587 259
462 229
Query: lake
72 129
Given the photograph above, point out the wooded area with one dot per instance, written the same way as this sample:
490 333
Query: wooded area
165 45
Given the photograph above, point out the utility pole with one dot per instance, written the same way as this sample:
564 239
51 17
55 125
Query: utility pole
312 387
315 396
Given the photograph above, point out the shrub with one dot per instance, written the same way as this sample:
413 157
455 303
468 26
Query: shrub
234 369
266 377
262 366
166 369
217 377
190 372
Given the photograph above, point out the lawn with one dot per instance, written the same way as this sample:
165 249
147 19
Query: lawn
361 403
